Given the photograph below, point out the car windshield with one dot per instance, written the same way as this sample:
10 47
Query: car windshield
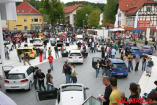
119 65
72 88
75 54
37 39
79 38
27 50
16 76
146 48
136 50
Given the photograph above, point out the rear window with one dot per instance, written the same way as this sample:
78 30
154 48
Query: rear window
119 65
75 54
71 88
16 76
146 48
27 50
136 50
37 39
79 38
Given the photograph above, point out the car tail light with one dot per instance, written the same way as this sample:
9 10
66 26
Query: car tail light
141 49
126 69
31 52
98 46
40 42
33 41
70 57
6 81
113 69
81 57
25 80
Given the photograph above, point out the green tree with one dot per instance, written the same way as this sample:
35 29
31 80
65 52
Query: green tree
81 15
94 18
110 11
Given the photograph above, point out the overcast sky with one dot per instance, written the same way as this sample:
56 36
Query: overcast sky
94 1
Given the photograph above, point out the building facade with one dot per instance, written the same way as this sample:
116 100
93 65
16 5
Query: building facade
70 14
147 15
28 18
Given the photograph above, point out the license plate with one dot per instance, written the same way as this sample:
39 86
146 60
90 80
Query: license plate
15 87
75 60
119 73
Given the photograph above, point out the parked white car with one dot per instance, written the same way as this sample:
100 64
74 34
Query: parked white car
37 42
75 56
19 78
79 38
99 45
71 94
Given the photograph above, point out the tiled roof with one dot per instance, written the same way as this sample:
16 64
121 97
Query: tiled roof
131 6
72 8
26 8
141 28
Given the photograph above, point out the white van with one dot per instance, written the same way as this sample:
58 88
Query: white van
79 38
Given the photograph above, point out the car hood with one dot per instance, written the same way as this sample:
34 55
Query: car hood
72 98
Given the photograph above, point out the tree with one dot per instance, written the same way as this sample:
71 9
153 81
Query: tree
81 15
94 18
110 11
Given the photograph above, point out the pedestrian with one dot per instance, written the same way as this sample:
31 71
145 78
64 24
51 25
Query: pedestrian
49 81
124 98
115 94
137 60
150 64
103 51
50 58
144 58
41 55
134 95
35 77
109 71
68 73
135 45
44 52
41 77
105 98
154 44
93 47
14 43
89 46
97 69
122 53
19 55
56 51
146 42
6 52
19 43
79 45
49 51
138 89
65 68
45 43
73 74
62 49
130 58
113 52
26 59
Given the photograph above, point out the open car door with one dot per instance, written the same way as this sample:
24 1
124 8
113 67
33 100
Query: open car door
92 101
65 53
6 70
94 61
85 54
47 94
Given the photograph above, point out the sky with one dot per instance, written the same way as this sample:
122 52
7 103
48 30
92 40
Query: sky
94 1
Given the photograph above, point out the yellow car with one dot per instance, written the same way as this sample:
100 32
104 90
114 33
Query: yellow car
30 50
41 36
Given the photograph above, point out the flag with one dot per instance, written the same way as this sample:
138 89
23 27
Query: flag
136 20
116 21
101 18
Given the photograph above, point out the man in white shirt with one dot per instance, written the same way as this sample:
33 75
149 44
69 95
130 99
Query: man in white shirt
93 50
113 53
108 51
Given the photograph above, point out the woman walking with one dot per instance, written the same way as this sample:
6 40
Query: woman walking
97 69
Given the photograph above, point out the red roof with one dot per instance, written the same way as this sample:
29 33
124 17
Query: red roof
131 7
72 8
141 28
111 25
26 8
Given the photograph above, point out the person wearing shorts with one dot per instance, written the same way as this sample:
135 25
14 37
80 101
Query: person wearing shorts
149 67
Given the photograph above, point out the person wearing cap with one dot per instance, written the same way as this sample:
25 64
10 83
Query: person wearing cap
137 60
149 67
130 58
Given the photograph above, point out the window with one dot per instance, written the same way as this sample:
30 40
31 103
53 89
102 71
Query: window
17 11
119 65
75 54
36 20
15 28
23 11
16 76
149 9
14 20
25 19
119 15
119 22
29 71
25 28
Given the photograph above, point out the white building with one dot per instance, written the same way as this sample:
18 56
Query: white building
70 13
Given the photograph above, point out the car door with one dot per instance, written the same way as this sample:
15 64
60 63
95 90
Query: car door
94 61
65 53
30 74
5 70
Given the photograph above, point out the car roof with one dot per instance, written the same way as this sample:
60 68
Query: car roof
19 69
116 60
74 84
29 47
75 51
134 47
38 38
147 46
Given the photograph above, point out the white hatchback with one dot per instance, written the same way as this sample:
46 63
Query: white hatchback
75 56
37 42
99 45
19 78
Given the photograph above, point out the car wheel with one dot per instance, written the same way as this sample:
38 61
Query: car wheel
30 86
7 90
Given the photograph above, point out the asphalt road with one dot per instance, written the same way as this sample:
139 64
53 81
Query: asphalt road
86 76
